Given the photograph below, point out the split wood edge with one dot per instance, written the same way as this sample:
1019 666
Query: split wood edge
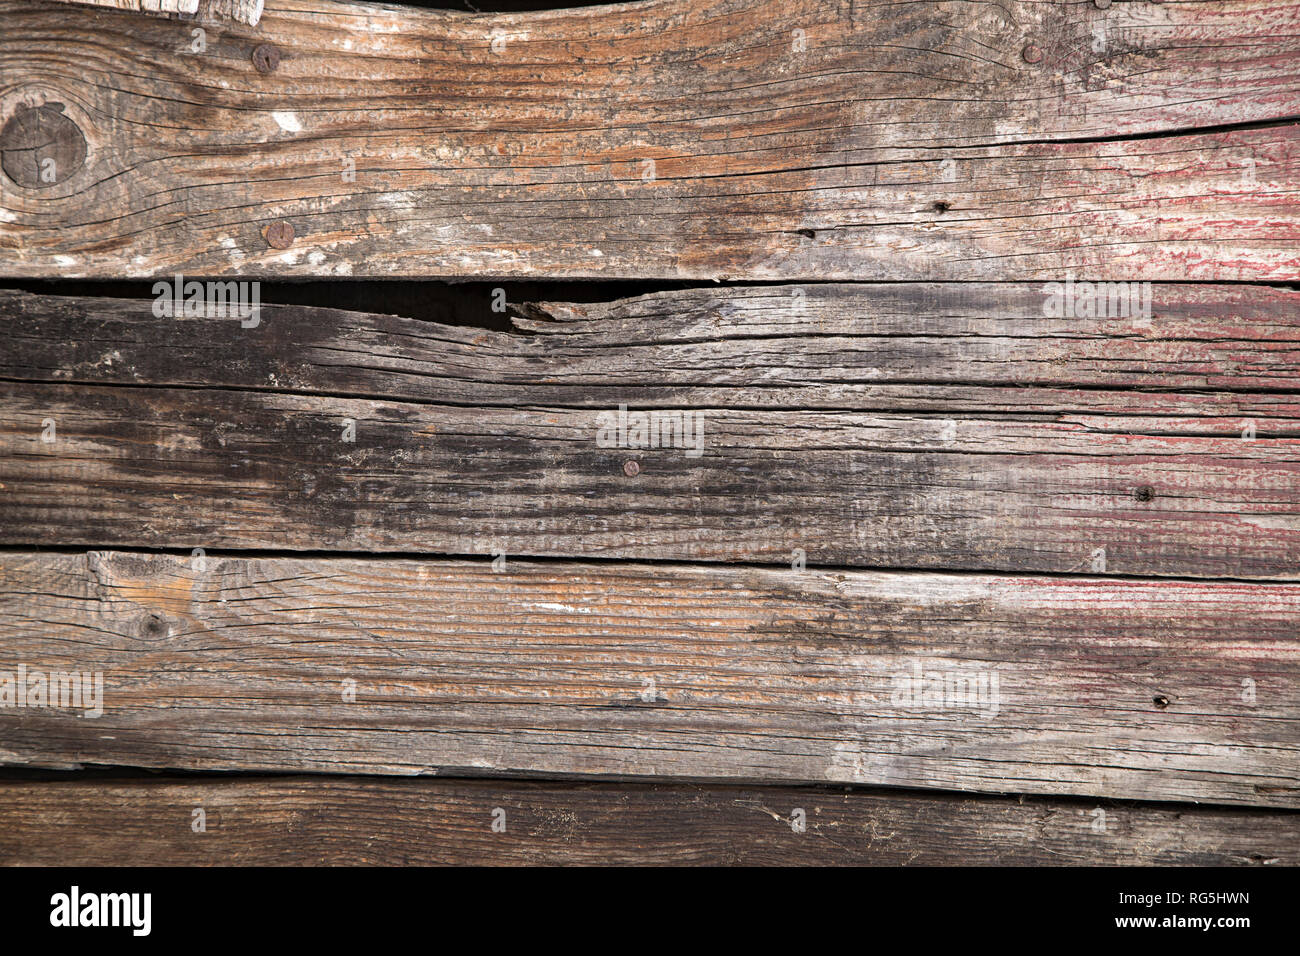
244 11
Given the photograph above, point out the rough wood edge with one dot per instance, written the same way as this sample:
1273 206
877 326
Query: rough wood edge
244 11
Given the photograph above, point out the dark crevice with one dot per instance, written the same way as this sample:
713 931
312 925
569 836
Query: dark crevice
477 303
615 783
502 6
699 564
474 304
537 401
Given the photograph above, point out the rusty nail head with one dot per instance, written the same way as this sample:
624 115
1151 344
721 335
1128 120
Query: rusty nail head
279 235
631 469
1032 54
1145 493
266 58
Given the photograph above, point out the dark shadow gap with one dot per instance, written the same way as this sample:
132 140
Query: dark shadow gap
614 784
702 564
503 6
467 304
475 304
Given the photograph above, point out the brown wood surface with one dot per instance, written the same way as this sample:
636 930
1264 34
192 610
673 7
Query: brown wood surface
1161 690
341 821
1205 351
1053 555
492 439
792 139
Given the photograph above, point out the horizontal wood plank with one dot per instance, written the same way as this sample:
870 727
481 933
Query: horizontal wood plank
497 441
314 821
1160 690
679 139
167 468
1201 351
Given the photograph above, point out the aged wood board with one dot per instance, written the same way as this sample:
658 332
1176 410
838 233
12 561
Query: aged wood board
1154 690
744 139
341 821
317 430
951 515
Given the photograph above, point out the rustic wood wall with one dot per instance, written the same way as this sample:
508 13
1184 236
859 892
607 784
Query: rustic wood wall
986 544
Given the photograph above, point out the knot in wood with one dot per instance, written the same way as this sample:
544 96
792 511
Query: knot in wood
40 147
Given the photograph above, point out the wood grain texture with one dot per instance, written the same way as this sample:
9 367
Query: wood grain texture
792 139
495 443
1136 689
1203 351
313 821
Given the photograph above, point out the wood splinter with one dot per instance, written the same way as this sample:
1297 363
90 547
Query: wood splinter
244 11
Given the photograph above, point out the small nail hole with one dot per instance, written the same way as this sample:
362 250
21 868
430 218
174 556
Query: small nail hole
807 233
1145 493
1160 701
941 206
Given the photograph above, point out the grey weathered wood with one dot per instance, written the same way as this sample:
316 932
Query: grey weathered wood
791 139
1155 690
306 821
494 441
1205 350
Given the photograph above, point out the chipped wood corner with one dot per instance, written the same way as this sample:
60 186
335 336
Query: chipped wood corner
248 12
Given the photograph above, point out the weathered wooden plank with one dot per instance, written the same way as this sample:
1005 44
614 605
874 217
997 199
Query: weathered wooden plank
729 138
1192 350
1140 689
306 821
485 455
183 468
